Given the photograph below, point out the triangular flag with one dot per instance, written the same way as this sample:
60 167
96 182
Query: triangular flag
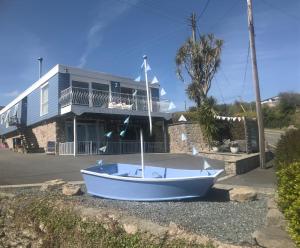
228 118
171 106
148 68
183 137
102 149
99 162
134 93
122 134
234 118
182 118
206 165
223 118
108 135
127 120
138 79
239 118
142 65
154 80
194 151
162 92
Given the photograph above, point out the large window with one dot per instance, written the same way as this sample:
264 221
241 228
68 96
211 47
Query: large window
44 99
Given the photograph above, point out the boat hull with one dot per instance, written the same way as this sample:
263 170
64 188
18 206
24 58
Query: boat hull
146 189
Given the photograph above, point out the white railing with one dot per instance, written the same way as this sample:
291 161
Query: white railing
123 147
105 99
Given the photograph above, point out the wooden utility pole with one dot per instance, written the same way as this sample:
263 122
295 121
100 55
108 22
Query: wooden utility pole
193 25
256 86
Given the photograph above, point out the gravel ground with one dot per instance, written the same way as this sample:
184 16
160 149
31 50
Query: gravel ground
213 216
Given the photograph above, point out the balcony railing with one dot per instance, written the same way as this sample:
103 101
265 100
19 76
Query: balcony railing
105 99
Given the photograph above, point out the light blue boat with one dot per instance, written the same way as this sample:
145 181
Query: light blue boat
125 182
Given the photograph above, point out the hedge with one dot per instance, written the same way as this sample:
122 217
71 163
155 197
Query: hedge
288 174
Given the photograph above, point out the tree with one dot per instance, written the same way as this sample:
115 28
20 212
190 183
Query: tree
200 60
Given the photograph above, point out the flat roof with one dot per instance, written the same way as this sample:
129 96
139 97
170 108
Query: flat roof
73 71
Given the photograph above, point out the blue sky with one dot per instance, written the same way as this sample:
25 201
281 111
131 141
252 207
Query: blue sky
112 36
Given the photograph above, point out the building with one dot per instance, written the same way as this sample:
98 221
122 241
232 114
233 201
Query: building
75 108
271 102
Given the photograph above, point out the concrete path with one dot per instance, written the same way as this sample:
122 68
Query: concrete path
272 136
18 168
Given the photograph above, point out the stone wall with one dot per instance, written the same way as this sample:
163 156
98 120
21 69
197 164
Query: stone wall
194 138
45 132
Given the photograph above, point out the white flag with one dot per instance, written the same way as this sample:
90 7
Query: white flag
154 80
99 162
148 68
102 149
142 66
234 118
134 93
182 118
162 92
183 137
194 151
239 118
127 120
206 165
223 118
108 135
138 79
122 134
171 106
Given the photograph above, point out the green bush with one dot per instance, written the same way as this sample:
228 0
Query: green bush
288 148
289 197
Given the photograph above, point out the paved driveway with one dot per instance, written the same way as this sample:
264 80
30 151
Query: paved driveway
18 168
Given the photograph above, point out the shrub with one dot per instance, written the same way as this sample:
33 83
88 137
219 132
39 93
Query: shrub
289 197
288 148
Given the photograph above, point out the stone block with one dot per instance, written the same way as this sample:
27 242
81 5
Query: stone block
242 194
52 185
71 189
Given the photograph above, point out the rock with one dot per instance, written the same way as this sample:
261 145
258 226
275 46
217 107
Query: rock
242 194
275 218
272 237
71 189
130 228
6 195
271 204
174 230
52 185
42 227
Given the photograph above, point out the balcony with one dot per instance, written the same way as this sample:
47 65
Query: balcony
92 100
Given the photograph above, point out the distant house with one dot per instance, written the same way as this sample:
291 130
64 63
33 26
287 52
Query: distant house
271 102
74 109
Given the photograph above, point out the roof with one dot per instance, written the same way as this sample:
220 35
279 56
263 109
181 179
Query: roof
72 70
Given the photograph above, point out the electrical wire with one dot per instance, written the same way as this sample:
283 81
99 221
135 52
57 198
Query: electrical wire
245 72
203 11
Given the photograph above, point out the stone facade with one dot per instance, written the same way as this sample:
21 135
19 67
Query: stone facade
193 134
45 132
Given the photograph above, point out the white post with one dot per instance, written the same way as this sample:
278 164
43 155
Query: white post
75 135
142 151
148 95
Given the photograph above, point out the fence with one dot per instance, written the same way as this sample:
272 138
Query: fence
123 147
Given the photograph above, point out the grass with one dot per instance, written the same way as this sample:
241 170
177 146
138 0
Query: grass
65 228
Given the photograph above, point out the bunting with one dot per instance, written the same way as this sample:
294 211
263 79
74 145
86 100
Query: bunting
108 135
99 162
162 92
229 118
194 151
148 68
103 148
138 79
122 133
206 165
154 80
171 106
134 93
182 118
127 120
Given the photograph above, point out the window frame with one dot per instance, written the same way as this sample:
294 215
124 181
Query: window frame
41 99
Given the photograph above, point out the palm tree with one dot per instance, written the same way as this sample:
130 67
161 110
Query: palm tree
199 60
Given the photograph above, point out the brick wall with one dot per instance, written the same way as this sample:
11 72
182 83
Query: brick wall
194 138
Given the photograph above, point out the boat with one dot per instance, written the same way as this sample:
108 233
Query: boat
125 182
147 183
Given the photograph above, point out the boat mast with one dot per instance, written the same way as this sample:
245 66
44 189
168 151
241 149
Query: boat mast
142 151
148 95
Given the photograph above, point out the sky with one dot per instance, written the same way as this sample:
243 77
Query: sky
112 36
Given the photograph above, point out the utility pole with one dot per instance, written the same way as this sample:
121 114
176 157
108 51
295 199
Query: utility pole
193 25
256 87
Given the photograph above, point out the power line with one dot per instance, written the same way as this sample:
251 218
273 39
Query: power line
245 73
203 11
223 16
280 10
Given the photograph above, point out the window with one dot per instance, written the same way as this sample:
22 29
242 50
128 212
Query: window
44 99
